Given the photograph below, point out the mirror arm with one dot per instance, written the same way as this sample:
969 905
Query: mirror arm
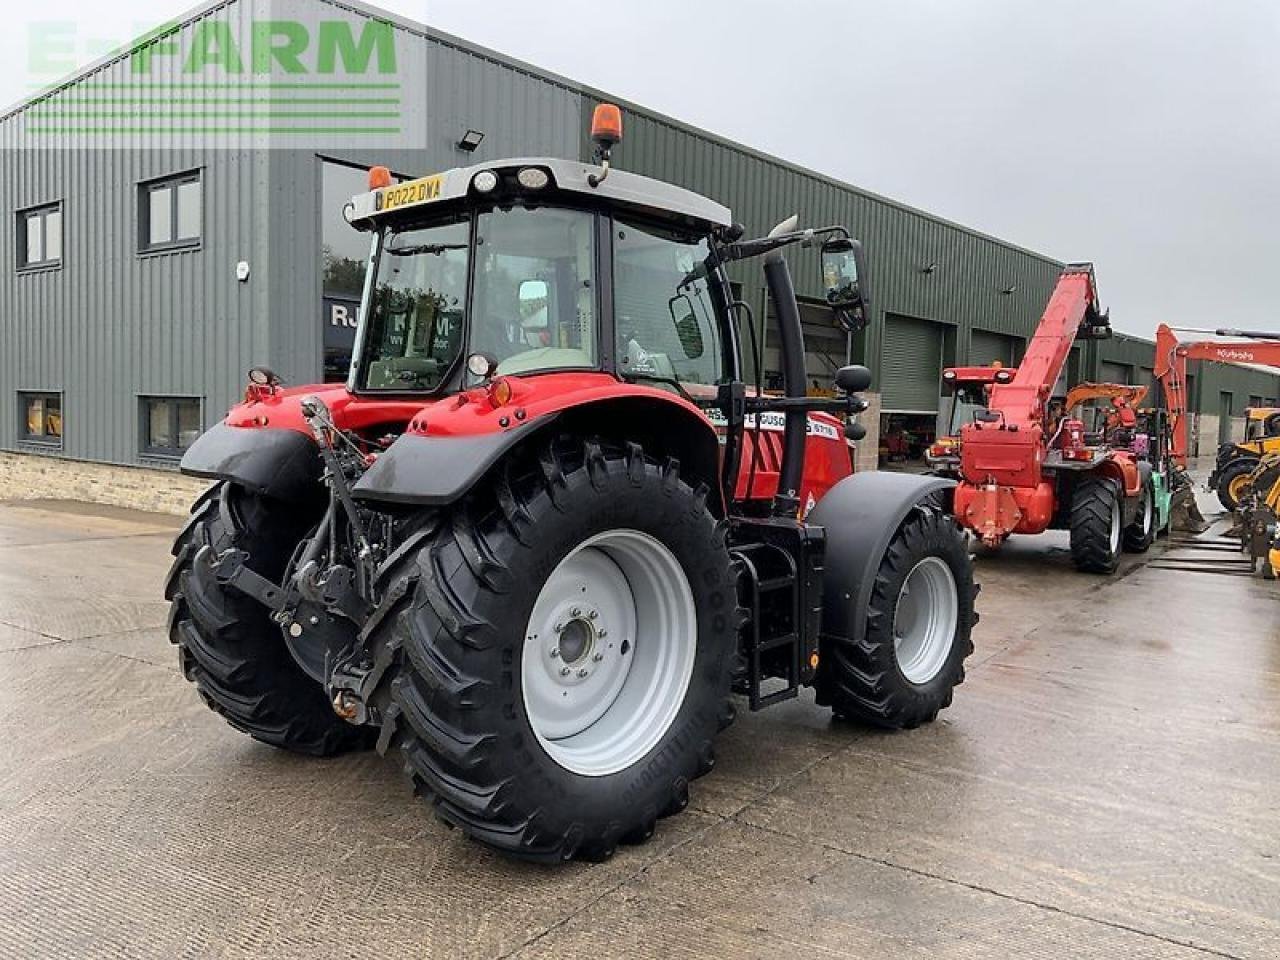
753 248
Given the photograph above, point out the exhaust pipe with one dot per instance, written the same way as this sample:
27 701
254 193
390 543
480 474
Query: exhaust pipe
786 502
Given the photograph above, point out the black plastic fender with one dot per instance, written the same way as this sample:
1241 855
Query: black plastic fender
860 515
273 462
435 471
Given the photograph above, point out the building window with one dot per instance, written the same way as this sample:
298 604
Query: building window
41 418
169 425
40 237
170 213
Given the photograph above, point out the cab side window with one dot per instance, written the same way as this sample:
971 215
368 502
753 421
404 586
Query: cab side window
664 313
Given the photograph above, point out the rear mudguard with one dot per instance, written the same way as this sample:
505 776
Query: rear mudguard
276 463
861 514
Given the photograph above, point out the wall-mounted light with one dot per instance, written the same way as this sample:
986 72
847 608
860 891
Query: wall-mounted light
929 267
470 140
1009 290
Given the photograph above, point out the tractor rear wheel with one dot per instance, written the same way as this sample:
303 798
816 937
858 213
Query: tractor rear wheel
229 646
1096 525
1233 481
568 635
1140 534
918 630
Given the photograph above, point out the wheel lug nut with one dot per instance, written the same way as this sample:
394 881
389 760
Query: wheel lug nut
559 627
583 672
593 614
577 611
555 653
598 657
564 671
603 634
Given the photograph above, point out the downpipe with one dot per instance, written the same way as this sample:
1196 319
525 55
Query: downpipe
786 502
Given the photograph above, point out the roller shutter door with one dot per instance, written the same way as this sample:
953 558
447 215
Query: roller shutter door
986 347
912 365
1115 372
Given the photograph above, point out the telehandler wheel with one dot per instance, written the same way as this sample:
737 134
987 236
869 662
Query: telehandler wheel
1140 534
1096 525
1233 482
568 635
227 643
918 630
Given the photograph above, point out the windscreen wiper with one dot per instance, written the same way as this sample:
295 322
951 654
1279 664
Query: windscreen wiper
435 249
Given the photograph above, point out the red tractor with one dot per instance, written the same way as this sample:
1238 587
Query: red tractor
546 529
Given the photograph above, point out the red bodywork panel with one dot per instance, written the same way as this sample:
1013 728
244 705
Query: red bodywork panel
1171 373
471 412
827 460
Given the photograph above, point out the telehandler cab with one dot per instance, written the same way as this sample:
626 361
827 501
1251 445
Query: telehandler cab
546 528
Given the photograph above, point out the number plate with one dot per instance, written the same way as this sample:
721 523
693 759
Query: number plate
412 192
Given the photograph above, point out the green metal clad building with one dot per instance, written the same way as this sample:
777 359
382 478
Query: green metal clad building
150 258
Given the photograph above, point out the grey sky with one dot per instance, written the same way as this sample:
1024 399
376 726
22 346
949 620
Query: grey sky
1142 136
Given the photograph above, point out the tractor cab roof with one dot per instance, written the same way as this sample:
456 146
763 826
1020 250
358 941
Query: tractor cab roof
519 178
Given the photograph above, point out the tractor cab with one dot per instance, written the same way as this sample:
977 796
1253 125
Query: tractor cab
521 267
969 389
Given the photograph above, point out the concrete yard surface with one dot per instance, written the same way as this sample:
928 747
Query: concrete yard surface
1106 784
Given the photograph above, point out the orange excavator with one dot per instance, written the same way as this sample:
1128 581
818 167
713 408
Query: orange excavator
1027 466
1236 460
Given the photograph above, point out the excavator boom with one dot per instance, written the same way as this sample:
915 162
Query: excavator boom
1172 356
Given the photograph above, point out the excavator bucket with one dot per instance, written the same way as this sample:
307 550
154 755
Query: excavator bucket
1184 513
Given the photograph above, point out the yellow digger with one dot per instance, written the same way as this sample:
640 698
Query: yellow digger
1237 459
1256 516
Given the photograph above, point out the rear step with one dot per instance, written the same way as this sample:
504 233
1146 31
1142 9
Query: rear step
780 584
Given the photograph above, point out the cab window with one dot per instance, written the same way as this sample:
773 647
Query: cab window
664 312
535 290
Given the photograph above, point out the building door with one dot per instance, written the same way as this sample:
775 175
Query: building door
911 370
1115 372
1224 416
986 347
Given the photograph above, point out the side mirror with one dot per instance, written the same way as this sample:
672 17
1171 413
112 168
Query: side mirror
845 281
853 379
686 324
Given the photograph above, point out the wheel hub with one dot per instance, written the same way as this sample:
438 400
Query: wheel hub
608 652
925 620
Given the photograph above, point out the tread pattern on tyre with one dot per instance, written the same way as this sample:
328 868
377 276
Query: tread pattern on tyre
441 710
1134 538
1229 474
860 679
1092 503
229 647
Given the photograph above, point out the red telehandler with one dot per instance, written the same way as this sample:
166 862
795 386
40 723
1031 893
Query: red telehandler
1026 466
1235 460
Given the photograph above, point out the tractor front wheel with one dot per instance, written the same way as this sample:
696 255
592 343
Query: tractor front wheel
568 637
228 645
919 622
1096 525
1233 482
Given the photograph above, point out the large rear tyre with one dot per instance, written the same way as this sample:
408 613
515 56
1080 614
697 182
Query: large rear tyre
229 647
1096 525
1139 535
1233 482
568 637
918 630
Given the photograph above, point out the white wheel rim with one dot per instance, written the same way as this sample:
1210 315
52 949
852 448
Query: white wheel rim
1148 511
1115 528
924 620
608 652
